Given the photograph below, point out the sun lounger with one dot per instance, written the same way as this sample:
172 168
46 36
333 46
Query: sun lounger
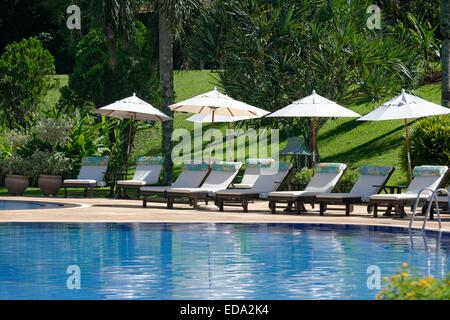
371 180
268 180
191 176
325 178
425 177
91 176
219 178
252 171
148 170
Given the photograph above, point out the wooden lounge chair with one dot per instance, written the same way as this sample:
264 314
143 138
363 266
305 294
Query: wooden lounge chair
424 177
371 181
219 178
252 172
148 170
268 180
325 178
91 176
191 176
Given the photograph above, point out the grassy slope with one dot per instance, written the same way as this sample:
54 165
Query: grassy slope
343 140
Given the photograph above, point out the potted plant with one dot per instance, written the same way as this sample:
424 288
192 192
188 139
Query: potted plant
49 167
18 172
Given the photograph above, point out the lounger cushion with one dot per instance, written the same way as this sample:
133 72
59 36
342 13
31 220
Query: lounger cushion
329 167
374 171
429 171
259 163
131 182
291 195
336 196
76 182
156 189
226 166
400 196
242 185
150 160
94 161
195 166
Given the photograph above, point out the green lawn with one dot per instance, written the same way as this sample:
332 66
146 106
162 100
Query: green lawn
344 140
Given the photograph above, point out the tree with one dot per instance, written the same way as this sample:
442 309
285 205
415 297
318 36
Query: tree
166 85
25 78
172 15
93 82
445 31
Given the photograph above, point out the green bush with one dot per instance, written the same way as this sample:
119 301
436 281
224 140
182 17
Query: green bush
51 163
347 181
409 286
25 78
303 176
429 143
15 164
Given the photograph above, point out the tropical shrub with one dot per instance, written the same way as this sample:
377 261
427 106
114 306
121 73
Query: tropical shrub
347 181
51 163
55 132
15 164
303 176
39 150
429 143
25 70
407 285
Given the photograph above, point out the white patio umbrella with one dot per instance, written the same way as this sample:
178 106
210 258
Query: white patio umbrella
207 118
214 104
314 106
132 108
405 106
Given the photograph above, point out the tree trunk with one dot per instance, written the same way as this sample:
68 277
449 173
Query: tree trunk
445 51
166 84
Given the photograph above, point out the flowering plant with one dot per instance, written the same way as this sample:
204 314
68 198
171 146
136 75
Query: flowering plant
407 285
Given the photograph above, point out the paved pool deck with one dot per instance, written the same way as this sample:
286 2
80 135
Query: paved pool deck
114 210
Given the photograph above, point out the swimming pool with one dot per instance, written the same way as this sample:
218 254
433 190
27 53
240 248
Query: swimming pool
208 261
26 205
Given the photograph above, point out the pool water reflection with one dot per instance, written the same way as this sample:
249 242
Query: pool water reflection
208 261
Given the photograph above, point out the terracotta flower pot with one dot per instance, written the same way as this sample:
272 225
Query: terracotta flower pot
16 184
49 184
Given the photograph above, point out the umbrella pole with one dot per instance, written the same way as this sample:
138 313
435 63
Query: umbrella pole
130 129
407 150
313 128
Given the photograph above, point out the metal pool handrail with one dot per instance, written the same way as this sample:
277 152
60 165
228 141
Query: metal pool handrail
434 196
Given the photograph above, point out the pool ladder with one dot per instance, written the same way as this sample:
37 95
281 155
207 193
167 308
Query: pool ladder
434 197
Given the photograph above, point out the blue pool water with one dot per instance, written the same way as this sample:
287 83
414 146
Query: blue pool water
208 261
25 205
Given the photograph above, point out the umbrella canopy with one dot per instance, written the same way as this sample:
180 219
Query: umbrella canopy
214 103
405 106
207 118
314 106
132 108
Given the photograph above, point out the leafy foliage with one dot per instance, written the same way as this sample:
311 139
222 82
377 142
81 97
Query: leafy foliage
429 143
25 69
16 164
51 163
407 285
